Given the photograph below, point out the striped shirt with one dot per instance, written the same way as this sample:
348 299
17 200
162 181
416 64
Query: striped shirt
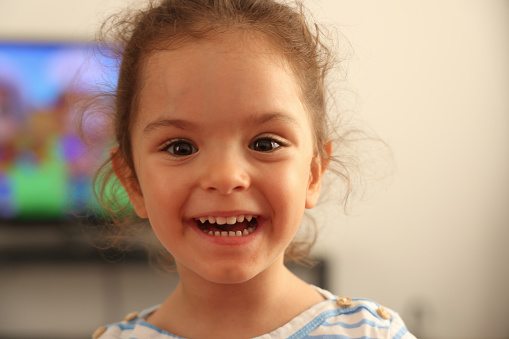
329 319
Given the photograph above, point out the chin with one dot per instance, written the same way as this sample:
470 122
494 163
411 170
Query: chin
229 275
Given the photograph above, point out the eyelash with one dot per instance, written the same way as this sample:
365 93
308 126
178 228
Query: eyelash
169 146
279 143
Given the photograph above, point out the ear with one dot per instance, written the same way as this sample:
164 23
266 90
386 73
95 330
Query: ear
128 181
318 167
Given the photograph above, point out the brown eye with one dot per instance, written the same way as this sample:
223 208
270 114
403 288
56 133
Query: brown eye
265 145
180 148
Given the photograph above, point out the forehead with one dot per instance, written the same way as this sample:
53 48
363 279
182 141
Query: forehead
234 70
238 50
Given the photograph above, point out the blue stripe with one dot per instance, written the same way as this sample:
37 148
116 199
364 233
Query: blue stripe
356 325
336 336
401 333
122 326
357 309
155 328
320 319
367 300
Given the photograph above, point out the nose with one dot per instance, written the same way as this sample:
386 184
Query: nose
225 173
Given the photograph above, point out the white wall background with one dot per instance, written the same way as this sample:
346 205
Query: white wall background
432 78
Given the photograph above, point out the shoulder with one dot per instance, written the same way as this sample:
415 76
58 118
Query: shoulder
134 325
336 317
344 317
366 317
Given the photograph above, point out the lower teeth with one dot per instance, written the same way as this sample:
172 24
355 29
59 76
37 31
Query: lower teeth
246 231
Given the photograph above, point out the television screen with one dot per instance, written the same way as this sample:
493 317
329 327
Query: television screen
45 168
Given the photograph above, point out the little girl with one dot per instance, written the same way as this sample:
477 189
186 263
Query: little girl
221 125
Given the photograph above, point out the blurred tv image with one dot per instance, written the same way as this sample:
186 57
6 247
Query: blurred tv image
45 168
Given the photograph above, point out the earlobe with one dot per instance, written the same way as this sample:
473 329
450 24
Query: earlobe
318 166
128 181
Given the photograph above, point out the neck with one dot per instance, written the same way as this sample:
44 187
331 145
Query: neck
253 294
246 309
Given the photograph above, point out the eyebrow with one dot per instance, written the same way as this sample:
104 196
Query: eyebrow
178 123
266 117
188 125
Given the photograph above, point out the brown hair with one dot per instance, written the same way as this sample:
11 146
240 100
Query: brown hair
168 24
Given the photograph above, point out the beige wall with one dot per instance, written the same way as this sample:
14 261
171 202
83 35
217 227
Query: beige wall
432 79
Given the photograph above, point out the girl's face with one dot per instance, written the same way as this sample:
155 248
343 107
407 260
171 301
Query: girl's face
221 135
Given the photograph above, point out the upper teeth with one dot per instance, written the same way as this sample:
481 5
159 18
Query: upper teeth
226 220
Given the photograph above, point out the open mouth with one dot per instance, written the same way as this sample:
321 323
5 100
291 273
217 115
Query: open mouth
237 226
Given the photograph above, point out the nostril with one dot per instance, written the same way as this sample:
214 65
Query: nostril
226 187
225 176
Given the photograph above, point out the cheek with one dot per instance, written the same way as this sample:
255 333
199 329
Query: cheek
288 185
164 199
162 191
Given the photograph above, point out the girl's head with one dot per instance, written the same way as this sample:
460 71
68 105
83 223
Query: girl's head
173 23
221 115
